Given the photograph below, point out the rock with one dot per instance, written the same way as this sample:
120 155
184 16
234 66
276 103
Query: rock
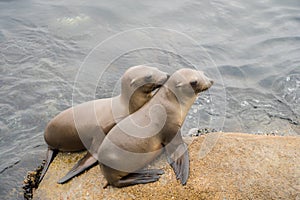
222 166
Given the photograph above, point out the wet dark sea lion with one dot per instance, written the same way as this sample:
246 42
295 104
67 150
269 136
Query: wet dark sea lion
78 128
139 138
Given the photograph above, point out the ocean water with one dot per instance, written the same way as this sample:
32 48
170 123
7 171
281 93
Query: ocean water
55 54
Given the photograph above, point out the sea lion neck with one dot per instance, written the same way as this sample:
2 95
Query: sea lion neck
133 101
180 102
165 93
119 106
136 103
126 92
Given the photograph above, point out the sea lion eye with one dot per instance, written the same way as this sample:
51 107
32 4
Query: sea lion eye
148 77
193 83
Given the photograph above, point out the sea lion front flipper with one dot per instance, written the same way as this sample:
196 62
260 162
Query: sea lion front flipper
51 153
83 164
178 158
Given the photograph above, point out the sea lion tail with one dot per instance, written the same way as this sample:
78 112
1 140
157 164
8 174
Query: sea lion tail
51 153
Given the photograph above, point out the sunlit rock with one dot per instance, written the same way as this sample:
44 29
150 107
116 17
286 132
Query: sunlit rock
234 166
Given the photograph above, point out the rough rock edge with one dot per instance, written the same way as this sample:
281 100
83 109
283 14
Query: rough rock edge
31 181
131 192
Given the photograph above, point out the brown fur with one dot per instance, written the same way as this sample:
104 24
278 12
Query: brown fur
62 132
84 126
139 138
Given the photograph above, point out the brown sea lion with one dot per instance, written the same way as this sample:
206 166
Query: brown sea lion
138 139
84 126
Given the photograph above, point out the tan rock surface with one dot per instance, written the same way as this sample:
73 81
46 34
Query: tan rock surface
239 166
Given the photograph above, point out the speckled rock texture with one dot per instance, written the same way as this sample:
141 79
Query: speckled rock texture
222 166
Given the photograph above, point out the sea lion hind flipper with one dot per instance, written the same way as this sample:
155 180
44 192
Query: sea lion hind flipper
148 171
139 177
179 161
51 153
83 164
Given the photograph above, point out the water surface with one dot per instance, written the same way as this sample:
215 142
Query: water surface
252 49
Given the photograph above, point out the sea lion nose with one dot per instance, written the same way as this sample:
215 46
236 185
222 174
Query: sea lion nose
211 81
168 76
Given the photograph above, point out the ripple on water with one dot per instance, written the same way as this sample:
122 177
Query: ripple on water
287 89
255 45
259 111
35 66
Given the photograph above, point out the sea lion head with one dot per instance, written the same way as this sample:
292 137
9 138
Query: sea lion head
189 82
138 84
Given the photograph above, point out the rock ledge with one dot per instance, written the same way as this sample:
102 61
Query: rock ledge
239 166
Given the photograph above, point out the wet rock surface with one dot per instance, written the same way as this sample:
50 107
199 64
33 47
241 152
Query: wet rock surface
222 166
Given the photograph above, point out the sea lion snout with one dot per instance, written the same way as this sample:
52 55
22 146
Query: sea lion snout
207 85
163 79
154 83
205 82
201 82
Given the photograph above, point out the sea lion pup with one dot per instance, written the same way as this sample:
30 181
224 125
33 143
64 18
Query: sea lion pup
80 127
136 140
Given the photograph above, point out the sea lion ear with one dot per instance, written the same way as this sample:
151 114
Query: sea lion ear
132 82
178 84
